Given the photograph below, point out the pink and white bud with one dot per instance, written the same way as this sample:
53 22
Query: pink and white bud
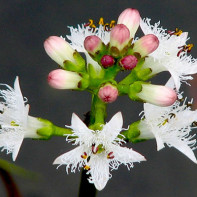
131 18
119 36
128 62
108 93
107 61
61 79
146 45
157 95
58 50
92 44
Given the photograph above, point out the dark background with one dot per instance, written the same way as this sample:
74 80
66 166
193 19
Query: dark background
24 25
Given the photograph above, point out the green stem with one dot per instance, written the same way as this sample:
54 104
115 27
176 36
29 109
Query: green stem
98 111
59 131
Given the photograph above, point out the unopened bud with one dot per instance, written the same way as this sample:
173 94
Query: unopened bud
92 44
119 36
61 79
131 18
58 50
146 45
108 93
154 94
128 62
107 61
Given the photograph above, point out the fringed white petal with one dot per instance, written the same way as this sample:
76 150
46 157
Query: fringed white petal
99 170
83 133
183 147
126 156
71 159
111 129
11 141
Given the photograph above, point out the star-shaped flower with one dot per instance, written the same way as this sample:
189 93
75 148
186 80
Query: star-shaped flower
170 125
98 150
14 120
166 57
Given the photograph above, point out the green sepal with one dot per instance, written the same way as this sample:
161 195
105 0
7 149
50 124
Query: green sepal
79 66
79 61
70 66
114 52
144 74
133 131
99 53
134 89
84 83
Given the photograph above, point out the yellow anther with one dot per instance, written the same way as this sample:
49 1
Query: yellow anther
101 21
189 47
106 27
178 32
84 156
185 48
165 121
86 167
91 22
112 23
13 123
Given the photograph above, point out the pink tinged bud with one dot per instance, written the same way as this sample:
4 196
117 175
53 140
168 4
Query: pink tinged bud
61 79
108 93
92 44
131 18
119 36
157 95
128 62
146 45
58 50
107 61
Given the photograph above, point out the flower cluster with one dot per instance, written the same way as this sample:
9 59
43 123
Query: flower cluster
110 49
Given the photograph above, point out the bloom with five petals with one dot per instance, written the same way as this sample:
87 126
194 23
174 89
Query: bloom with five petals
98 151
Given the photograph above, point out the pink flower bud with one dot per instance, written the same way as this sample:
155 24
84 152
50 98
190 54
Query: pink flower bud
131 18
157 95
58 49
61 79
108 93
119 36
128 62
92 44
146 45
107 61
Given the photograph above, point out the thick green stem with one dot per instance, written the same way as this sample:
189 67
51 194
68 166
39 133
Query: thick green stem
98 111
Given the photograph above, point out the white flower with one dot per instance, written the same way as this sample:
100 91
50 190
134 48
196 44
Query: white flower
98 150
14 120
170 125
165 58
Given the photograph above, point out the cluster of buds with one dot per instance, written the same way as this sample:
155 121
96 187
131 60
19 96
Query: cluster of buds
120 53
